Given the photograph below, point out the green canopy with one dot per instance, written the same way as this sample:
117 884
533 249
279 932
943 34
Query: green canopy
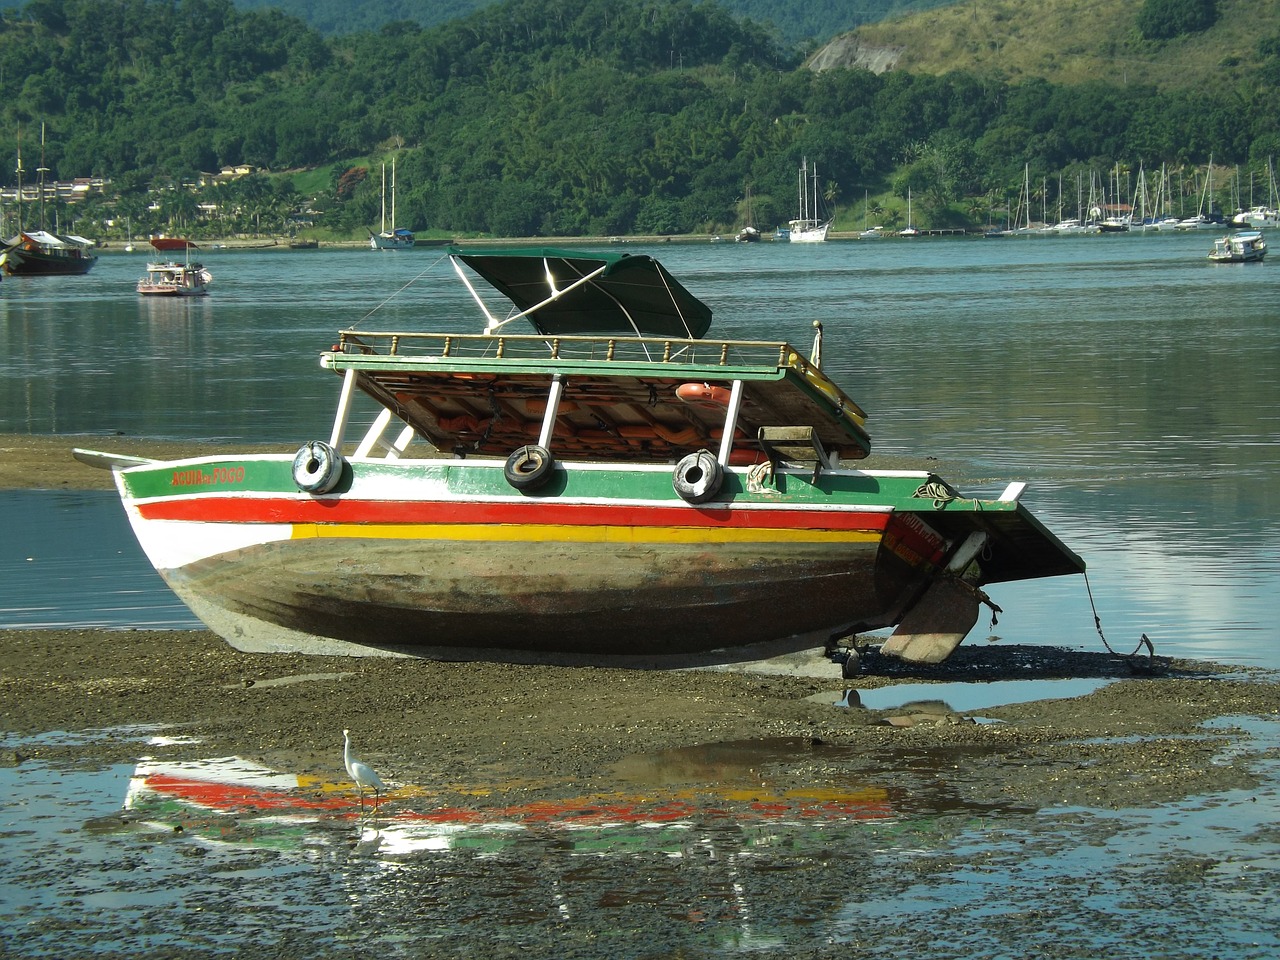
629 294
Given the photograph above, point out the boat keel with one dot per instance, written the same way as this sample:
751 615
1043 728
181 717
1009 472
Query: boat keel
935 626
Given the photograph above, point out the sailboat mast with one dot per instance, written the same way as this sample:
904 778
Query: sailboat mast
42 170
804 193
21 225
384 198
815 195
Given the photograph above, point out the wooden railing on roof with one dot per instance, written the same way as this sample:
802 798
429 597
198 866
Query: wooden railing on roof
454 346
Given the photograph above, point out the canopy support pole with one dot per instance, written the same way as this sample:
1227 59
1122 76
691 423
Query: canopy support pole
730 423
553 410
344 409
496 324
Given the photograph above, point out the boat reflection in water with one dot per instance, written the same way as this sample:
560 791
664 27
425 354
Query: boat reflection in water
714 862
198 794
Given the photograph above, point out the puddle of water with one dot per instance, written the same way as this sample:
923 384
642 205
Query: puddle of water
1195 878
142 733
964 697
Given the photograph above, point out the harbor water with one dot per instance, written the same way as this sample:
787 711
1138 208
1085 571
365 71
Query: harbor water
1134 385
1131 383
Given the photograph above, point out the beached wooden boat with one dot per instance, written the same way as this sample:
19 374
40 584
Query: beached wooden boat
615 486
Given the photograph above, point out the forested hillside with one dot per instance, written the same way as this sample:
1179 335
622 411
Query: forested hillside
580 118
796 21
1166 43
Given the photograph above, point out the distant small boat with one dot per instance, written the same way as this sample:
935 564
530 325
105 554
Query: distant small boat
869 232
1257 218
910 229
1074 225
1239 248
1199 222
173 279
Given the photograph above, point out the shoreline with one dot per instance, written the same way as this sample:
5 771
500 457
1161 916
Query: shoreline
296 245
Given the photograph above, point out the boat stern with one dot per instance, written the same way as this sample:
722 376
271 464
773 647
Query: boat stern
989 541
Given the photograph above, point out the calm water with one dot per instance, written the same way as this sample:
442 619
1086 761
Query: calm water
1133 384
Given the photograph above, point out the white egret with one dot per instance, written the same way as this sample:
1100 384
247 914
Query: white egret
363 774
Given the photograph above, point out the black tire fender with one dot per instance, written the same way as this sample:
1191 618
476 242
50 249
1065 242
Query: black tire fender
698 477
317 467
529 467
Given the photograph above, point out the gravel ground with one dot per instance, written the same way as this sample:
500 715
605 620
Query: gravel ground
552 732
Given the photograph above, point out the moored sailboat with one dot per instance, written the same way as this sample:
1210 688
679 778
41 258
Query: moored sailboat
809 227
38 253
397 238
41 253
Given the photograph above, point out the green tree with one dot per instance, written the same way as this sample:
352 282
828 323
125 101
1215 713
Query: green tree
1166 19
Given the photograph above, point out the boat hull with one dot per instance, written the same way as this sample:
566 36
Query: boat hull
442 558
551 601
808 232
392 241
163 290
38 264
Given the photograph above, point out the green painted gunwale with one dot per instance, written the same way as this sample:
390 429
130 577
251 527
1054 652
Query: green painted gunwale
273 474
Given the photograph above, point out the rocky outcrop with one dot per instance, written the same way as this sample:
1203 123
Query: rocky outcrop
849 51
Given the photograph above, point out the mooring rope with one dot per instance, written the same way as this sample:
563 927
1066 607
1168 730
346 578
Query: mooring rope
1131 658
405 286
937 491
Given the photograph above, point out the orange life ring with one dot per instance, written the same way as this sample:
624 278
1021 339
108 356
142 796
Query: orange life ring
703 393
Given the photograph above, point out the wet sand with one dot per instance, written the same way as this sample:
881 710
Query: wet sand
533 732
524 733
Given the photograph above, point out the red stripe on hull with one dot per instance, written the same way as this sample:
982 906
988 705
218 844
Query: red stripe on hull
346 511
